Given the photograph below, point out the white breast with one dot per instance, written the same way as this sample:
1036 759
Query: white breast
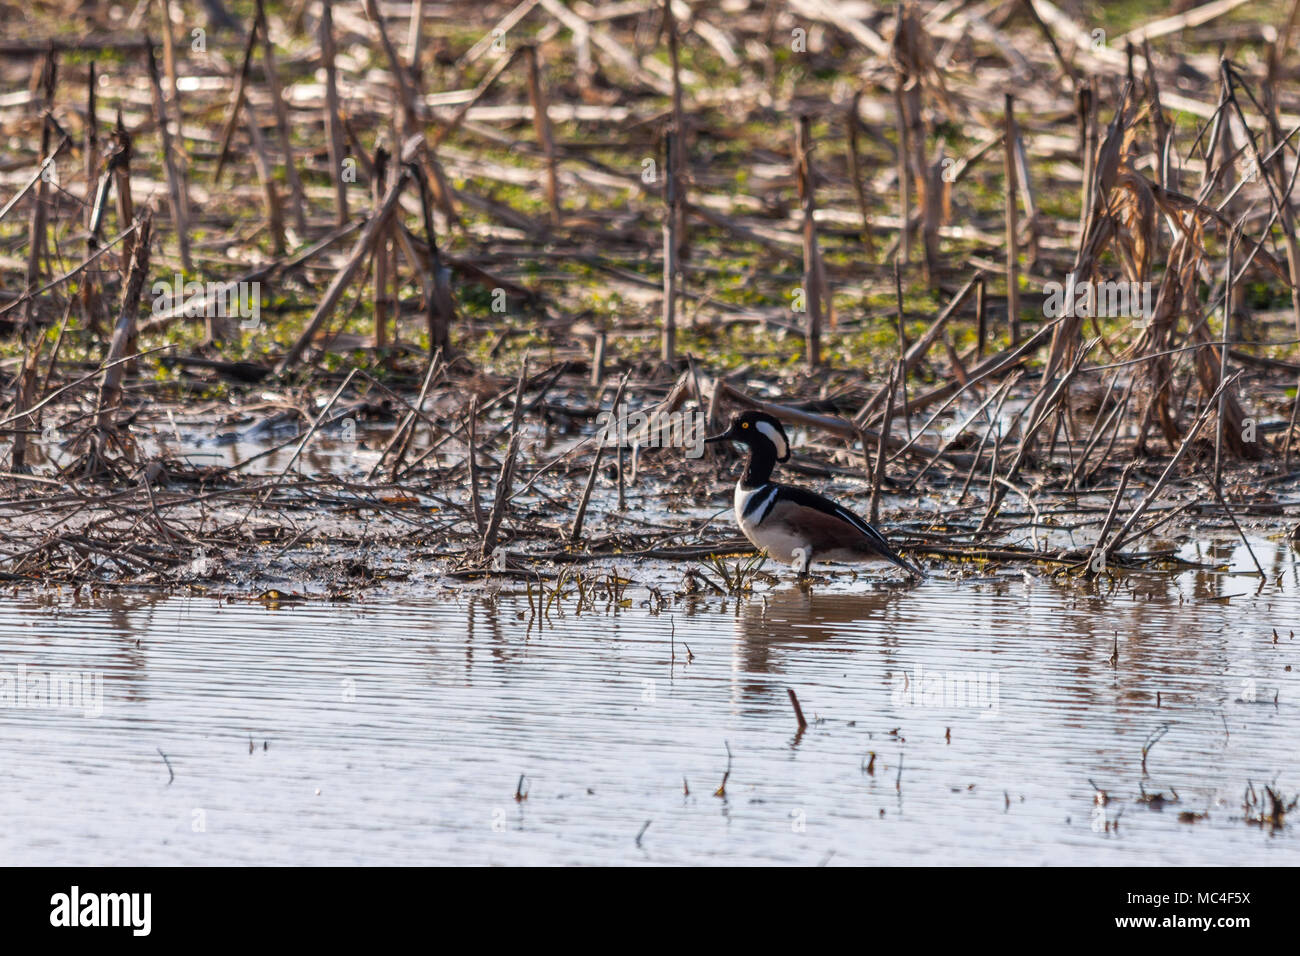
775 539
743 498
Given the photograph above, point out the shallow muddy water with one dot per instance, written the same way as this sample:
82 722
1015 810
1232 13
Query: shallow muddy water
396 731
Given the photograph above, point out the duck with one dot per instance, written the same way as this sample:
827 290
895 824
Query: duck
794 525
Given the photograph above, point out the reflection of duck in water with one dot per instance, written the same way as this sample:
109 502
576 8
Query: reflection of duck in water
765 625
794 525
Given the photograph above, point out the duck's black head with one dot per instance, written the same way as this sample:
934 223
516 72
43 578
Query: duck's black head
761 432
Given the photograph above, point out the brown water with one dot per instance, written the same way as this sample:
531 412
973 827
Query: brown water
397 732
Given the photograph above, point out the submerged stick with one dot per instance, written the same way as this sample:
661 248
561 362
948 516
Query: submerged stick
171 775
798 711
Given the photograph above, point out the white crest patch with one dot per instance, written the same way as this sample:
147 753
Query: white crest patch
774 436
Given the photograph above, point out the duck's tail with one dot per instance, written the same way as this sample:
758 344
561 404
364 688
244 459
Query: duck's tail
908 566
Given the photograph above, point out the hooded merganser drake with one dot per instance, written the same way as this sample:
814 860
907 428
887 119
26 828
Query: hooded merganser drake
794 525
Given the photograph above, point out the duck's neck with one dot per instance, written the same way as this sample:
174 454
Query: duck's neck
762 459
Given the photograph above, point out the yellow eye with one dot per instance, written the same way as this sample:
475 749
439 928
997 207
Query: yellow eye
744 424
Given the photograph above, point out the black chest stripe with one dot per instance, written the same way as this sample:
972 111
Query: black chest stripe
761 503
